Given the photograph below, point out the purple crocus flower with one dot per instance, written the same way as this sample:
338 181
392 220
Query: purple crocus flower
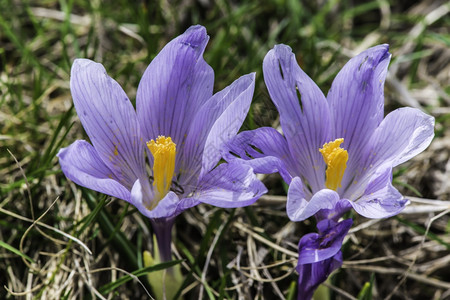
319 254
313 274
177 130
338 151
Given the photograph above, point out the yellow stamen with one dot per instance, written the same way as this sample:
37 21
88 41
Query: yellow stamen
336 159
163 151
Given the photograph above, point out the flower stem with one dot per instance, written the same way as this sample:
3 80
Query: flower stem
162 227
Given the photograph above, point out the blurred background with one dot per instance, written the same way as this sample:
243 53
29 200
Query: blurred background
61 241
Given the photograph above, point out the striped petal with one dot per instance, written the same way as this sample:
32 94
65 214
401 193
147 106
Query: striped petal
81 163
109 120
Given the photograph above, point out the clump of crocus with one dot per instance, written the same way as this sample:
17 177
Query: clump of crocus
337 152
177 130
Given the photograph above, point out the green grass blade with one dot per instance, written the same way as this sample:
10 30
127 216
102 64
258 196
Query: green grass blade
15 251
107 288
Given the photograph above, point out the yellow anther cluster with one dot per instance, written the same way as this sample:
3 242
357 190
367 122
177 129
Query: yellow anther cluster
163 151
336 159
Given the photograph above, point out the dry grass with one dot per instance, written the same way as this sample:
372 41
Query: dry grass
71 242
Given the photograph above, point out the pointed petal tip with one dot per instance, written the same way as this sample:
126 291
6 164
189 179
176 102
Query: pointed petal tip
82 66
197 28
279 51
63 151
282 47
377 54
83 63
247 78
195 37
387 55
381 47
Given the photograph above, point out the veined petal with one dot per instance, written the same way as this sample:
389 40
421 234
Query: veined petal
217 121
403 134
265 150
174 87
230 185
380 199
306 125
229 122
168 207
109 120
315 247
81 163
334 214
356 101
299 209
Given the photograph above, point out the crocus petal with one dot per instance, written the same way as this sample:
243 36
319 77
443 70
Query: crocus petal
299 209
356 101
168 207
217 121
334 214
109 120
306 127
403 134
315 247
174 87
81 163
380 199
265 150
229 122
230 185
312 275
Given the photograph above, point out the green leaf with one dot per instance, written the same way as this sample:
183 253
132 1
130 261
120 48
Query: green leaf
366 291
14 250
107 288
292 290
422 230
